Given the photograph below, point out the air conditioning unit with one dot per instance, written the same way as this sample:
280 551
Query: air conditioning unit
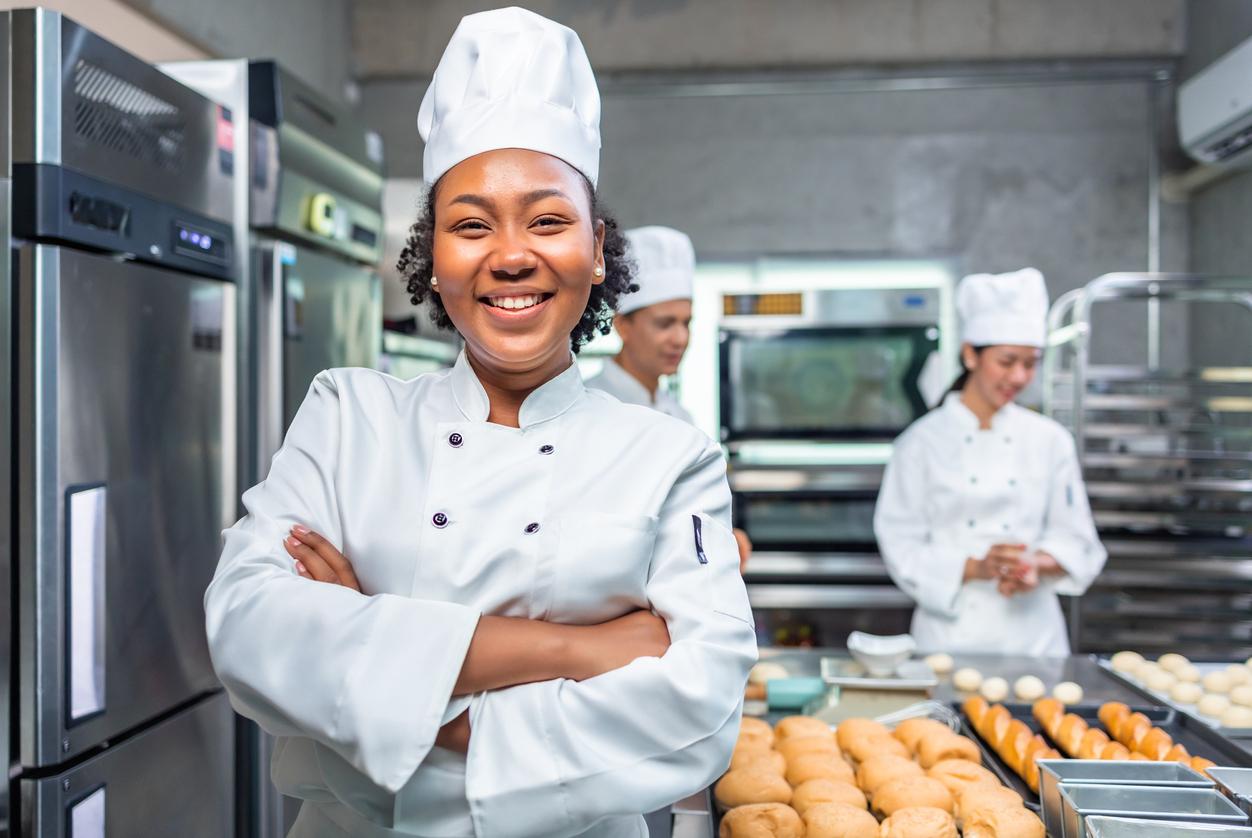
1215 110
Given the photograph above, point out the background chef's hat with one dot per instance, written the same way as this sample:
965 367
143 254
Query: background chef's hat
510 78
665 263
1007 308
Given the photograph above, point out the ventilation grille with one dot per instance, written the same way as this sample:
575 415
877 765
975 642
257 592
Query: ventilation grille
122 117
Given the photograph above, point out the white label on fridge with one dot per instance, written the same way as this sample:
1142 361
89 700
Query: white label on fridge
87 816
86 508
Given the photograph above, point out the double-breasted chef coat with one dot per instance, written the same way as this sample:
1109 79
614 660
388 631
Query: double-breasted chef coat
950 492
620 384
588 511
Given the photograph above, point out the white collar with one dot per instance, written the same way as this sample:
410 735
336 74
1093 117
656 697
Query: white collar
623 380
547 401
956 411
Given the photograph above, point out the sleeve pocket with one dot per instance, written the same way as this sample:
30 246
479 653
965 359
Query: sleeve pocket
714 543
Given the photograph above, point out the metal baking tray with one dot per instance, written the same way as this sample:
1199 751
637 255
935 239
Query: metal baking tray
1103 826
1170 804
912 675
1189 709
1054 772
1200 739
1237 784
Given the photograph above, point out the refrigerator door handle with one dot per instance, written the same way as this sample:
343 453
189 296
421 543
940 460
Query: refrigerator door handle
85 518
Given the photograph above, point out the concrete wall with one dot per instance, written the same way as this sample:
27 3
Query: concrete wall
309 37
1053 175
405 38
1219 214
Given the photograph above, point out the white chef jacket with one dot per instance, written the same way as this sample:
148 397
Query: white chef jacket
950 492
590 510
626 388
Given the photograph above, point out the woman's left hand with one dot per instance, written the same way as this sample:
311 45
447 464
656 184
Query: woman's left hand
318 559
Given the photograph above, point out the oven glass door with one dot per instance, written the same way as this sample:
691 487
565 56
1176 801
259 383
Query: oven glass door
822 383
808 521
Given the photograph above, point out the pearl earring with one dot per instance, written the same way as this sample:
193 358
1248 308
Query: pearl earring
599 271
434 282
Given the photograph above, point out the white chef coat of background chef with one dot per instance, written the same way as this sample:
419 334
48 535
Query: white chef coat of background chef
952 490
665 265
589 510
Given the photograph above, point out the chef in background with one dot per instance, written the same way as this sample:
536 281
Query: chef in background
983 517
654 324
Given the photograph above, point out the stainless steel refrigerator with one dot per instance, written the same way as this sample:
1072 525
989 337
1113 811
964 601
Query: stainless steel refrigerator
311 180
122 405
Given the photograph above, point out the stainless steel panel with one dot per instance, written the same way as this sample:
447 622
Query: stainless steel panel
332 317
6 398
693 817
85 104
844 478
126 379
810 566
174 779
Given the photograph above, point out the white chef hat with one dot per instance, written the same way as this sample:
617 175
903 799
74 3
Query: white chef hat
1009 308
665 267
510 78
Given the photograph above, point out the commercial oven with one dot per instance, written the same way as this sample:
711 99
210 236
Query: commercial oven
818 367
120 313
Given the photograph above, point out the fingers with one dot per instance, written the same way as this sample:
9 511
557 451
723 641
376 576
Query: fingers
324 565
328 554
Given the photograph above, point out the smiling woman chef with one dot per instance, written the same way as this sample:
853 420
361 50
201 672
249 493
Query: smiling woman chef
983 517
539 629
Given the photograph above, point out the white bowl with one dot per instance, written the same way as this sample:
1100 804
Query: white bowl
881 655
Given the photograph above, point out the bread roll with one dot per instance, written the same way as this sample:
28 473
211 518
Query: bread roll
874 745
1069 734
1202 765
792 748
1189 674
937 747
1213 705
911 731
876 772
741 786
1186 692
815 766
1178 754
1132 729
850 729
918 822
986 796
755 733
763 760
1115 751
1031 772
1242 695
912 791
838 820
794 727
1013 745
1028 688
1171 662
1126 662
1003 823
762 820
1067 692
1036 750
1218 682
967 679
1048 712
1239 674
1160 680
956 774
1092 743
811 793
1155 744
1111 713
974 708
994 689
940 663
995 724
1237 716
1135 756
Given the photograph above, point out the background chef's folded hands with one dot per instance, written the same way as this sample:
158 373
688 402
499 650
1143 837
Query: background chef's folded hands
1012 569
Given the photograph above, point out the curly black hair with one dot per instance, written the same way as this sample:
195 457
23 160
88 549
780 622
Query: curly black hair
417 262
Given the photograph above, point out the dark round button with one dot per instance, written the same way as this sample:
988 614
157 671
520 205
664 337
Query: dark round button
546 449
532 528
439 520
971 523
969 439
1012 482
456 440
